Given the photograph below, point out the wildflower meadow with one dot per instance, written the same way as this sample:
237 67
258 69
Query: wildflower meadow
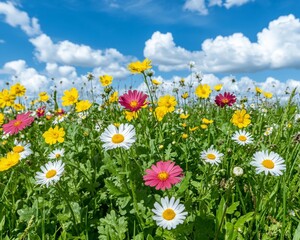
197 163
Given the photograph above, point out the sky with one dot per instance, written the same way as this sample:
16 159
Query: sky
56 43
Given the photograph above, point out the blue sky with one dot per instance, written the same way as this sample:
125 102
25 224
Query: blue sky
256 41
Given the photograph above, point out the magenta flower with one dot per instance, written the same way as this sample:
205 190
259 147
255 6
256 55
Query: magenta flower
226 99
22 121
40 112
133 100
163 175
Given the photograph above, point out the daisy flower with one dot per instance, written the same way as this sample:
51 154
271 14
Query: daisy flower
22 148
122 136
50 174
268 162
133 100
211 156
241 137
169 213
163 175
56 154
22 121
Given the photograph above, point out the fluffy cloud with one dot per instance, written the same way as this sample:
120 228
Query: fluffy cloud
16 18
231 3
66 52
277 46
196 6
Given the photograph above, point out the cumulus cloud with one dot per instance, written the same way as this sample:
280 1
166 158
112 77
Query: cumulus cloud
277 46
231 3
196 6
17 18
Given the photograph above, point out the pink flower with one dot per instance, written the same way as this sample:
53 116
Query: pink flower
22 121
163 175
133 100
226 99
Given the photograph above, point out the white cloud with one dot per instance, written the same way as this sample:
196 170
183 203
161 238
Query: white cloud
196 6
69 53
16 18
215 3
231 3
277 46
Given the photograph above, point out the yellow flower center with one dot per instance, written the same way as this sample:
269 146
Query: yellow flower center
267 163
211 156
162 176
169 214
6 98
57 155
72 99
225 100
18 149
242 138
117 138
51 173
55 135
133 103
240 119
17 123
168 104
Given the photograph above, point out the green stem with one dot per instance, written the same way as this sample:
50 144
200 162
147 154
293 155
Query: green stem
284 209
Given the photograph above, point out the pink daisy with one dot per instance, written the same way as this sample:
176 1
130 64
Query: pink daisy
133 100
226 99
163 175
22 121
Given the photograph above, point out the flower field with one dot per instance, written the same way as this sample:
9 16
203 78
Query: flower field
201 163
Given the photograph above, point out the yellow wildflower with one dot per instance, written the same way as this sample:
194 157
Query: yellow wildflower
7 98
54 135
114 97
9 161
203 126
105 80
18 90
203 91
184 136
160 112
184 116
155 82
70 97
185 95
130 115
83 105
241 118
139 67
167 101
193 129
18 107
207 121
268 94
218 87
258 90
43 97
117 124
2 117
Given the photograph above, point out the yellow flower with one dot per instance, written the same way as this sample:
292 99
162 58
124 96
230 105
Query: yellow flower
258 90
203 126
193 129
18 107
160 112
43 97
241 118
268 94
70 97
203 91
207 121
155 82
183 124
169 102
9 161
7 98
18 90
2 117
83 105
105 80
184 116
130 115
218 87
139 67
114 97
54 135
117 124
184 136
185 95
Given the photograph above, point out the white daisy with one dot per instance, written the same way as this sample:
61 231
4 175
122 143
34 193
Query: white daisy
211 156
169 213
56 154
114 137
50 174
268 162
242 137
22 148
58 119
268 131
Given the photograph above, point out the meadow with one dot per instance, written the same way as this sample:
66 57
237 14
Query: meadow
200 164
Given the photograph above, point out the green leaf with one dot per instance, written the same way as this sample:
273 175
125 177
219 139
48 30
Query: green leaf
220 212
113 189
297 233
184 183
232 208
